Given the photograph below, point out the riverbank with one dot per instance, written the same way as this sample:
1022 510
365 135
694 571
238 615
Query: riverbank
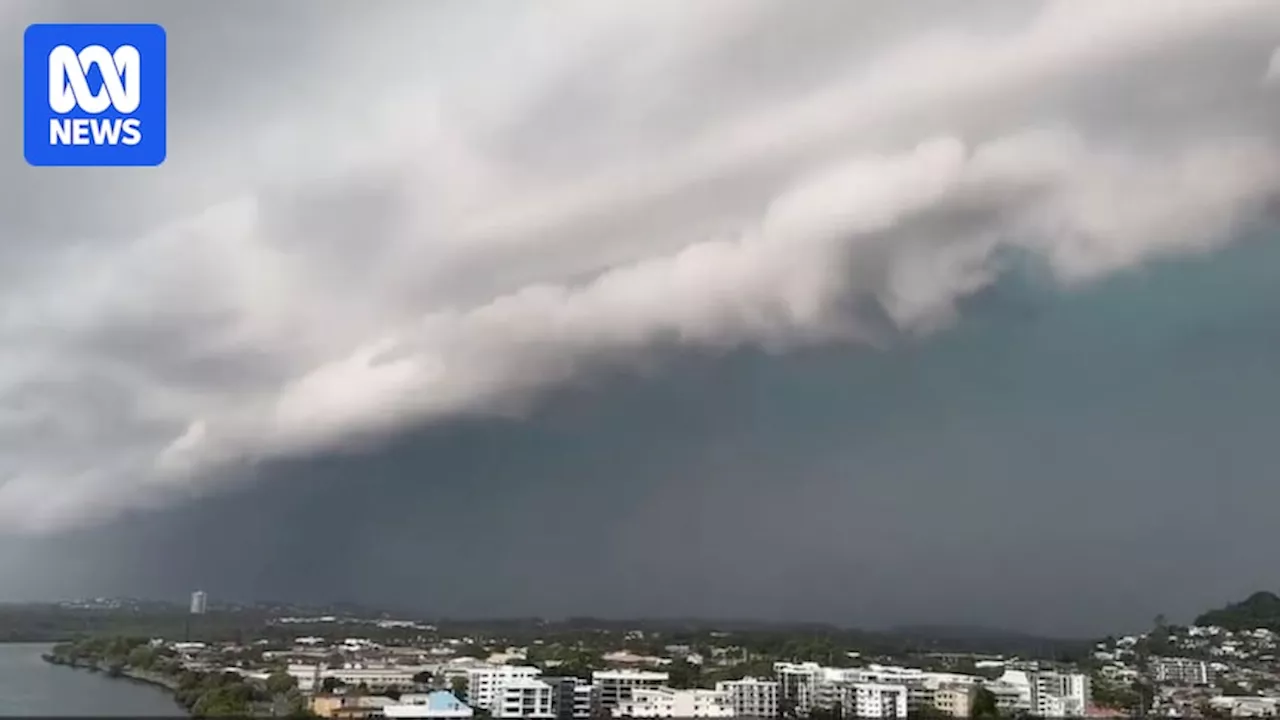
144 677
200 692
32 687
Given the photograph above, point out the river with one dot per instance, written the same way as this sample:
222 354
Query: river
31 687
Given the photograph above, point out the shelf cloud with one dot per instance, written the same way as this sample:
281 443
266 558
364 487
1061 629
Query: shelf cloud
356 236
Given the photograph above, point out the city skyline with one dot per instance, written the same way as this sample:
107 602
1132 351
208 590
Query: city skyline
933 313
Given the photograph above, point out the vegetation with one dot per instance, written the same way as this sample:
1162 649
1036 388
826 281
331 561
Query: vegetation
575 644
1131 697
203 694
984 705
1259 610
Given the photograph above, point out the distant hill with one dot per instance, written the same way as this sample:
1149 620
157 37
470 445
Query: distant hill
1259 610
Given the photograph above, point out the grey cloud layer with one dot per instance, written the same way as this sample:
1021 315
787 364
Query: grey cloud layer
435 231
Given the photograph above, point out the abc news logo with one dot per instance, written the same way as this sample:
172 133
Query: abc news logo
69 88
94 95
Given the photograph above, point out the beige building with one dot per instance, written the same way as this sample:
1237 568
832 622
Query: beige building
349 707
954 700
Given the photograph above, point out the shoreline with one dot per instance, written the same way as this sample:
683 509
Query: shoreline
141 677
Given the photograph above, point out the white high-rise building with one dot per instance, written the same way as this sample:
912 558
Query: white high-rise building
199 602
806 686
572 698
485 683
522 697
874 700
798 684
1047 693
751 698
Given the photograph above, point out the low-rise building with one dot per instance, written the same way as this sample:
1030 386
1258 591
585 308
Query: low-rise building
955 700
1246 705
349 707
665 702
439 705
311 678
1180 671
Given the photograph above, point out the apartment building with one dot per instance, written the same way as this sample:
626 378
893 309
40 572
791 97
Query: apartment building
617 686
874 700
310 678
1043 692
522 697
799 684
809 685
665 702
751 698
1011 698
572 698
484 682
1072 689
1180 671
955 700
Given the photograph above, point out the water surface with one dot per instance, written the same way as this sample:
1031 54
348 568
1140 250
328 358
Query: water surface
29 686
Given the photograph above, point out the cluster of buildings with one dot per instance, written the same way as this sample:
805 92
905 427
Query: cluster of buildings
890 691
1197 670
798 689
358 678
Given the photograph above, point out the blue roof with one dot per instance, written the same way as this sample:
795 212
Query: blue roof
444 700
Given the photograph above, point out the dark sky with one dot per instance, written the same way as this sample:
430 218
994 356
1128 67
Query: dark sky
935 312
1066 464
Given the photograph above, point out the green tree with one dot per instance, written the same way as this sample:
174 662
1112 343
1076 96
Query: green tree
422 678
459 687
984 705
684 674
279 683
232 700
141 657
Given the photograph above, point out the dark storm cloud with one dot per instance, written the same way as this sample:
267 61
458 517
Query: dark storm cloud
1069 465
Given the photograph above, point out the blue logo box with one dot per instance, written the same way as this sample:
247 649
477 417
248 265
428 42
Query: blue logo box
94 95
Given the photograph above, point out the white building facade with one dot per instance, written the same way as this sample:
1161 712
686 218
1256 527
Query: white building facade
617 686
485 682
751 698
1044 693
874 700
667 703
1180 671
809 685
375 677
522 697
